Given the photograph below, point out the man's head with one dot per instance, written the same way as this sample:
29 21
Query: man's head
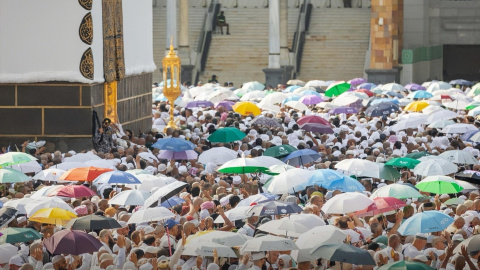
59 262
420 241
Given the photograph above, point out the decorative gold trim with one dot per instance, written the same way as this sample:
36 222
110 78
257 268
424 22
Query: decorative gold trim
113 55
16 95
86 64
98 105
110 90
129 98
43 121
136 120
80 92
86 29
86 4
49 135
45 107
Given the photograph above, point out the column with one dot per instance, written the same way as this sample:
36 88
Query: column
183 34
274 72
171 24
184 51
284 59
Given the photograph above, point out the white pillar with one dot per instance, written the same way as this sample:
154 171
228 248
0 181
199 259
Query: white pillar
183 36
274 34
171 23
284 59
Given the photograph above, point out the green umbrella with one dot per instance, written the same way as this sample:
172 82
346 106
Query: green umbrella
399 191
472 105
225 135
92 223
439 184
242 165
418 155
18 235
384 172
403 162
12 176
12 158
279 151
405 265
337 89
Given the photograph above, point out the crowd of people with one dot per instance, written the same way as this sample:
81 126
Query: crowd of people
323 175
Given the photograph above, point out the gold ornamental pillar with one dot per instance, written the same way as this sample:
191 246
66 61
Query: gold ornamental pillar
171 80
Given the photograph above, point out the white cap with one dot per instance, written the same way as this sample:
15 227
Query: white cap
237 180
16 260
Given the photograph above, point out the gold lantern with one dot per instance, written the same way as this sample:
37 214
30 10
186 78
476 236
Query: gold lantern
171 80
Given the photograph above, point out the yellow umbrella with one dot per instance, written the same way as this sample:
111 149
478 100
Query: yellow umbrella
246 108
416 106
54 215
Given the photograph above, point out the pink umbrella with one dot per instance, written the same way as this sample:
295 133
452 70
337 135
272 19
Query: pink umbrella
381 205
313 119
72 242
72 191
311 99
178 155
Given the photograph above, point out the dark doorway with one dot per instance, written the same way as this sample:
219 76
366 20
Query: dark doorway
461 62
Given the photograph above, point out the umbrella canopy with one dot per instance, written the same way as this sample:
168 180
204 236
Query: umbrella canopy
356 165
229 239
227 134
7 214
164 193
178 155
439 184
117 177
130 197
383 172
18 235
273 208
297 105
403 162
69 165
174 144
398 191
72 191
324 235
28 167
237 213
12 158
171 202
337 89
150 184
381 205
254 85
269 161
312 119
246 108
301 157
283 183
296 82
92 223
381 109
72 242
323 175
314 127
151 214
266 122
12 176
345 184
199 104
83 174
46 202
405 265
439 124
346 203
392 87
425 222
346 110
51 174
343 253
420 94
459 128
257 198
472 244
310 99
54 215
242 165
418 155
459 157
285 227
416 106
414 87
217 155
279 150
268 243
308 220
435 167
206 249
226 104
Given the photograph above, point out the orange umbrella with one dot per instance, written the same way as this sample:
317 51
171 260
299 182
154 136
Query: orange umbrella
83 174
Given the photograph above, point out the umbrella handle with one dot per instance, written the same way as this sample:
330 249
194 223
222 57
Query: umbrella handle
168 237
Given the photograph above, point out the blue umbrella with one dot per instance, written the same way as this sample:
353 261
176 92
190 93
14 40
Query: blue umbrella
301 157
117 177
425 222
394 94
467 135
174 144
382 109
291 98
346 184
460 82
291 88
323 175
310 92
420 94
382 100
173 201
368 86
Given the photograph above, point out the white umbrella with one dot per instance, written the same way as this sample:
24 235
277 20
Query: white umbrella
410 120
28 167
309 220
102 163
130 197
274 98
268 107
425 158
345 100
346 203
70 165
206 249
432 108
440 115
297 105
82 157
237 213
474 112
393 87
51 174
456 105
148 156
158 182
7 251
229 239
19 204
466 185
254 95
204 95
257 198
435 167
217 155
268 243
280 168
242 162
286 227
325 235
459 157
316 83
164 193
151 214
220 95
47 202
43 192
442 123
456 201
269 161
356 165
435 86
252 86
283 183
459 128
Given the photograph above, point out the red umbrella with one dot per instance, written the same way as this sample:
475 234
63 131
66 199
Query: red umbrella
381 205
83 174
312 119
72 242
365 91
72 191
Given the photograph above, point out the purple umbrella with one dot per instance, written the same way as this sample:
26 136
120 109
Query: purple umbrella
316 127
368 86
357 104
340 110
357 81
178 155
311 99
72 242
414 87
226 104
199 103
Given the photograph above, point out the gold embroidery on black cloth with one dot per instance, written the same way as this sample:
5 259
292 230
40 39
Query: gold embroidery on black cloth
86 4
86 29
113 55
86 64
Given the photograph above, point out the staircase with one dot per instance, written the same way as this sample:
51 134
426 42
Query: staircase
241 56
195 23
335 44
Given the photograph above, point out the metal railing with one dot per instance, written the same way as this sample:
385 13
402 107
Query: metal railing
299 35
